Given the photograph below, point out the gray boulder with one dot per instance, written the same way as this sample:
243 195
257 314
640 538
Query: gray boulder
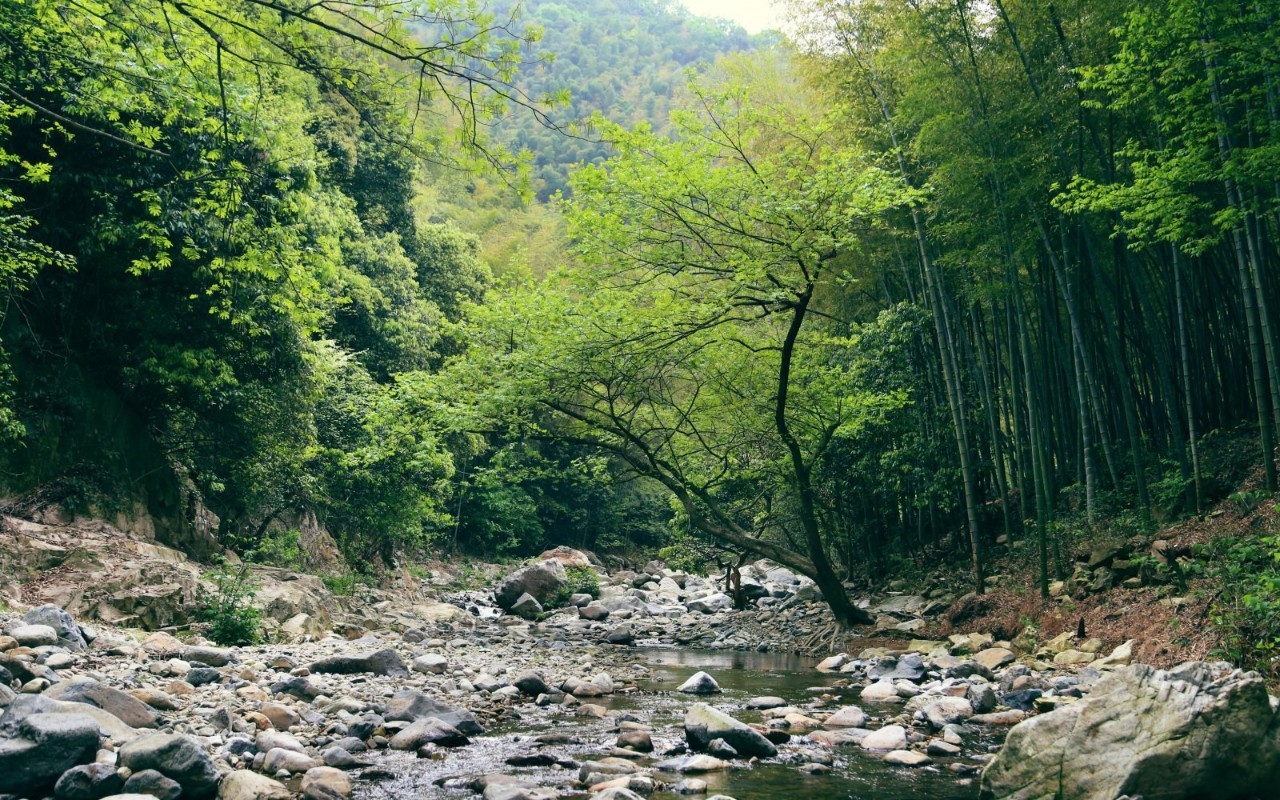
380 662
178 757
711 603
700 683
702 724
34 635
153 783
65 628
88 782
411 705
46 745
1198 730
429 730
527 607
542 581
125 707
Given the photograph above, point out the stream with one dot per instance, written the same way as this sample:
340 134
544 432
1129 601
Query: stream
854 774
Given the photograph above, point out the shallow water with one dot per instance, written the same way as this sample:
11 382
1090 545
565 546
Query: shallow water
742 675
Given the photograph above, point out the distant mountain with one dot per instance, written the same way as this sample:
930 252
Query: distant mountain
627 59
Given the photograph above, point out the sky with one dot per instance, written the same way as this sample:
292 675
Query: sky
754 15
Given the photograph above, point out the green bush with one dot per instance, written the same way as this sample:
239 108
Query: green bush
232 618
1246 611
583 580
279 548
344 585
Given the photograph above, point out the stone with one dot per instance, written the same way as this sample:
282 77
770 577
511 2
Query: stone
153 783
412 705
621 635
939 747
385 662
703 723
700 683
890 737
847 717
765 703
282 717
209 656
245 785
526 607
269 740
1122 656
34 635
691 786
279 759
431 663
325 783
711 604
428 730
945 711
175 756
906 758
125 707
531 684
880 692
1198 730
694 765
994 658
66 631
296 686
593 612
542 581
615 793
832 663
340 757
88 782
640 741
1069 658
39 747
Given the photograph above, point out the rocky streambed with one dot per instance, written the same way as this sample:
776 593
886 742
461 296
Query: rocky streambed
563 705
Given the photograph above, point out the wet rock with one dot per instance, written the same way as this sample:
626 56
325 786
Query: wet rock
380 662
1198 730
125 707
694 765
341 758
541 581
765 703
41 746
847 717
703 723
947 710
245 785
593 612
832 663
906 758
615 793
880 692
700 683
179 757
890 737
429 730
640 741
690 786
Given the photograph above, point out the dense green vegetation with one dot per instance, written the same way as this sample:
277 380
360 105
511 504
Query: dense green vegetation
931 274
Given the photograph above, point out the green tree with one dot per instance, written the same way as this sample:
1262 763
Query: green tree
681 347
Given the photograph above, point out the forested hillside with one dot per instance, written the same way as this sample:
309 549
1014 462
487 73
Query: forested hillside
928 279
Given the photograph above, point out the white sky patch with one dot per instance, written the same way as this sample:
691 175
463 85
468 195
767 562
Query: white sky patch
754 15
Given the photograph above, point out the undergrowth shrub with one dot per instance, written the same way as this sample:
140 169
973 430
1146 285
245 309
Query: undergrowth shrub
228 610
1246 611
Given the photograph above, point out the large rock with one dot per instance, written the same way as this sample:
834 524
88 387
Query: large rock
181 758
1198 730
88 782
68 632
703 724
411 705
45 746
700 683
380 662
125 707
542 581
245 785
429 730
